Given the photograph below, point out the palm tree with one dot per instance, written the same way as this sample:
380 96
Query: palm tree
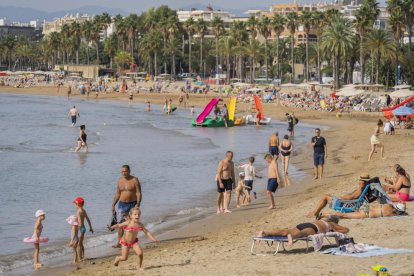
317 24
131 27
396 24
252 50
291 24
96 29
163 27
227 49
9 43
76 32
251 27
54 45
122 59
336 40
172 50
65 34
189 28
151 44
201 29
263 26
380 43
239 34
86 30
110 48
306 21
121 30
408 10
278 26
217 25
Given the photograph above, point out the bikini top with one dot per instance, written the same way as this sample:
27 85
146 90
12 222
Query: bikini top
131 229
286 148
405 186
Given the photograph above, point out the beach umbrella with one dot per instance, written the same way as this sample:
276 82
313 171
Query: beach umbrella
403 111
403 93
402 86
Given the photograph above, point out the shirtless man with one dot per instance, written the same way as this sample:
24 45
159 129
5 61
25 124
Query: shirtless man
128 193
274 145
273 179
225 182
73 114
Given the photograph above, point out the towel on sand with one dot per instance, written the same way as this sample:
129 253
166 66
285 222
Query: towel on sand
361 250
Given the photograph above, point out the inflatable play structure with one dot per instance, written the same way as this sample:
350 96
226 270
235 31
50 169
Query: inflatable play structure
389 112
204 121
250 119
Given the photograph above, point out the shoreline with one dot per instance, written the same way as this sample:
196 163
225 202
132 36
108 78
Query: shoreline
222 242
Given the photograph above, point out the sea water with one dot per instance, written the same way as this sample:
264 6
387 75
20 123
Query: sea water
175 163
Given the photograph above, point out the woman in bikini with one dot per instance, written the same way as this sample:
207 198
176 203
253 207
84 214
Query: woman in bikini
285 148
307 229
131 228
399 190
372 211
375 142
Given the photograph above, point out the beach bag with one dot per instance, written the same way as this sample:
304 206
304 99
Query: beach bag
113 220
295 120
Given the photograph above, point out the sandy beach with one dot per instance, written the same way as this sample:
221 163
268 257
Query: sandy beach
220 244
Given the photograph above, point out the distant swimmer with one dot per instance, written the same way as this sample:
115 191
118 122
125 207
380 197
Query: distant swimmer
148 106
73 114
192 110
82 139
131 97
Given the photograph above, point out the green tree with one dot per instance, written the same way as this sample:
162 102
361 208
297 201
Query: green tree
111 48
201 29
292 25
278 26
189 28
86 31
318 22
217 25
396 24
122 59
306 21
263 26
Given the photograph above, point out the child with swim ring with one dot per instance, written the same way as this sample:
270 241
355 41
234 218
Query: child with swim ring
130 239
36 239
81 216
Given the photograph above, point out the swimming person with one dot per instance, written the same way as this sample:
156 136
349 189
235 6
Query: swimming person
306 229
82 139
273 179
81 215
128 193
285 148
38 228
375 142
131 227
74 239
274 145
73 114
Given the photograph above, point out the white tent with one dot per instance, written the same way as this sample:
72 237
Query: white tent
402 86
402 93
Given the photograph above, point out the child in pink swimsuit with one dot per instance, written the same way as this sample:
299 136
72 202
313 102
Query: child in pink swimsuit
130 239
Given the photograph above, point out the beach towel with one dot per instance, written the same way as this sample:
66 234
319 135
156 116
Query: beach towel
361 250
318 239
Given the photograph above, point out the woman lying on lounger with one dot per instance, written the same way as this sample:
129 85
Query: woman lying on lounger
307 229
373 211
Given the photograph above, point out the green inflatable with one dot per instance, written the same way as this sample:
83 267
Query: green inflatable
210 122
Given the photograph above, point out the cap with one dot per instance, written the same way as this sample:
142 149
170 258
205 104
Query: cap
79 201
364 176
72 220
39 213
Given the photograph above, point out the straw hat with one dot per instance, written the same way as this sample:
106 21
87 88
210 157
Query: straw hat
72 220
39 213
364 176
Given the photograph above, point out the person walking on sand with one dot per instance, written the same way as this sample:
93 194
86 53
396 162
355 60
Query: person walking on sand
131 227
73 114
82 139
81 216
273 179
375 142
274 145
290 124
128 193
225 182
320 153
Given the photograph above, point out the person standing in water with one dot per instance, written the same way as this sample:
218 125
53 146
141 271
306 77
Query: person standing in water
274 145
273 179
73 114
285 148
82 139
131 97
225 182
128 195
69 91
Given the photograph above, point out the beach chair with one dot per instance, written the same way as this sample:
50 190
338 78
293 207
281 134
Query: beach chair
279 241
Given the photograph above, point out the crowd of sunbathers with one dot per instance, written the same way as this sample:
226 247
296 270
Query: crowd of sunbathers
370 199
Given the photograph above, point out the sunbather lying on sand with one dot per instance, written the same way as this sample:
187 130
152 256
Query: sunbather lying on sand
307 229
372 211
363 179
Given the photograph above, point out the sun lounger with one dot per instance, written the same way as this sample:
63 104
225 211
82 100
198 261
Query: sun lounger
279 241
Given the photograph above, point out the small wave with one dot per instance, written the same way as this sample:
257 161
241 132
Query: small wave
189 211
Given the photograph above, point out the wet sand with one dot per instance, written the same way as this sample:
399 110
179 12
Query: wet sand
220 244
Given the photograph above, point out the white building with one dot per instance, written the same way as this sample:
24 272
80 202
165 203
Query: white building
5 22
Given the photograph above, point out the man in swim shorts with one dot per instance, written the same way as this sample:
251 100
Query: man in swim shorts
273 179
320 153
73 114
225 182
274 145
128 193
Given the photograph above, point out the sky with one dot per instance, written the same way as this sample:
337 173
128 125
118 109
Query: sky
133 5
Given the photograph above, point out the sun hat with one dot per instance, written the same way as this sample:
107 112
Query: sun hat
79 200
364 176
72 220
39 213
